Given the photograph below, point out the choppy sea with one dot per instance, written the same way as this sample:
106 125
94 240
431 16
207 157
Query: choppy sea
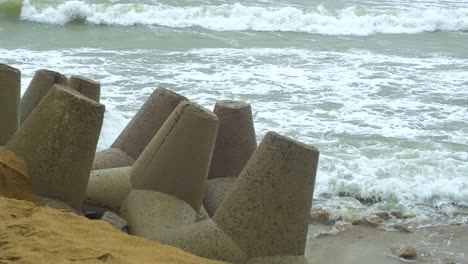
379 87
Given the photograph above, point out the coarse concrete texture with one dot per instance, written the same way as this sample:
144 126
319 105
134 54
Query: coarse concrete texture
278 260
178 158
58 143
203 214
204 239
149 212
141 129
112 158
10 92
108 188
56 204
216 190
87 87
267 210
236 140
39 86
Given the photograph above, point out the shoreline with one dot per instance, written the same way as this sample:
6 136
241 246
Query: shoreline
364 244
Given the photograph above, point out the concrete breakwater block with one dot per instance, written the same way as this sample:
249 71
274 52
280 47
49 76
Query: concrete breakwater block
112 158
236 141
178 158
204 239
56 204
108 188
267 210
216 191
10 92
141 129
85 86
58 142
149 212
40 85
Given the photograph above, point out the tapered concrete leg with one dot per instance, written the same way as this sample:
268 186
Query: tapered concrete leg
58 142
177 160
85 86
236 140
216 191
141 129
267 210
56 204
40 85
108 188
149 212
111 158
204 239
10 91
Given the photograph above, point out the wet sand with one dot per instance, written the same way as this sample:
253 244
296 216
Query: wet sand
369 245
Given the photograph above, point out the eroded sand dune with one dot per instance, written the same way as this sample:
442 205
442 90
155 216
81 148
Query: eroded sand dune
33 234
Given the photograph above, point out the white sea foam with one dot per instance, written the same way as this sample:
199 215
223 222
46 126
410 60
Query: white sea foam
237 17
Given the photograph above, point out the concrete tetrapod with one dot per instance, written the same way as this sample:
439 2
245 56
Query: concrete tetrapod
149 212
10 90
204 239
139 132
107 188
236 140
85 86
267 210
40 85
58 143
177 160
216 190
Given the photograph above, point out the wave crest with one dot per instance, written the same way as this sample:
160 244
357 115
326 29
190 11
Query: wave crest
238 17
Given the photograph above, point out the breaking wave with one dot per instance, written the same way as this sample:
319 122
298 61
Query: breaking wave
237 17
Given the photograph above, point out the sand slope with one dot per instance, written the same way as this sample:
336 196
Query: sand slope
32 234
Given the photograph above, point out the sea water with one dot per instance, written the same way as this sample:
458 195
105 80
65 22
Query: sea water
379 87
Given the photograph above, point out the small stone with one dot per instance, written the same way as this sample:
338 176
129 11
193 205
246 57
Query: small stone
408 253
400 215
93 215
319 217
373 220
115 220
383 215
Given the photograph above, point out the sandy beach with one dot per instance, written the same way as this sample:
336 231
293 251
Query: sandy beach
31 234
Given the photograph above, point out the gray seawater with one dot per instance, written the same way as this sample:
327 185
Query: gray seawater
379 87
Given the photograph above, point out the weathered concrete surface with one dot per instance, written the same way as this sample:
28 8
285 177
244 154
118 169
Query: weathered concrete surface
108 188
147 121
177 160
56 204
111 158
267 210
141 129
216 191
58 142
149 212
204 239
278 260
40 85
87 87
10 92
236 140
